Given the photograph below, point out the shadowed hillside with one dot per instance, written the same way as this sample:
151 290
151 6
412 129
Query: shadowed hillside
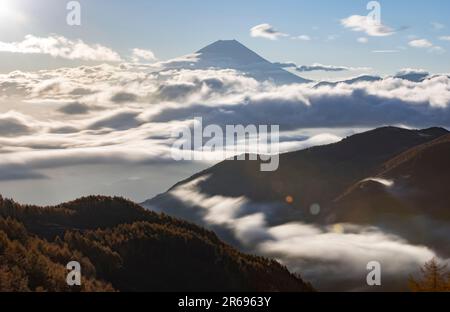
413 199
315 175
420 180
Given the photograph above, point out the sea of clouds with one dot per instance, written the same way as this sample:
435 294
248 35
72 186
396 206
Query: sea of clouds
127 113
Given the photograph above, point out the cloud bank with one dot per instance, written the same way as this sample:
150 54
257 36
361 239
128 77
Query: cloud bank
59 46
325 255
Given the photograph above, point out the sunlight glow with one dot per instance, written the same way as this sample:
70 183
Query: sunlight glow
9 13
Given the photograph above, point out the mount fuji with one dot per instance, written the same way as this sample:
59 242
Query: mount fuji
231 54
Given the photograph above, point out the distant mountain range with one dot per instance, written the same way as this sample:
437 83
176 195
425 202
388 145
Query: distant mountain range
122 247
363 78
231 54
412 77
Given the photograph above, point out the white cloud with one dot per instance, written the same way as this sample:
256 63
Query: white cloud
420 43
59 46
333 255
266 31
141 54
445 38
426 44
365 24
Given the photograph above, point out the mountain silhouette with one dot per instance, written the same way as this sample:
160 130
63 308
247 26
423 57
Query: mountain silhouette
231 54
363 78
424 170
413 76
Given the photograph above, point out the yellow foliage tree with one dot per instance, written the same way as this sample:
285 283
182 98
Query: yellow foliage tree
434 278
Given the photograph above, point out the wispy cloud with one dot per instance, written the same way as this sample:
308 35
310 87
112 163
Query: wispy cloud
301 37
426 44
266 31
385 51
420 43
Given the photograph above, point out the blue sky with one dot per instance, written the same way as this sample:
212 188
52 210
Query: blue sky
172 28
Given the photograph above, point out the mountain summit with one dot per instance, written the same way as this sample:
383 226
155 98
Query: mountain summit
231 54
230 51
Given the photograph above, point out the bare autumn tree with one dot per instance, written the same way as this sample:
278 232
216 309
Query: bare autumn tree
434 278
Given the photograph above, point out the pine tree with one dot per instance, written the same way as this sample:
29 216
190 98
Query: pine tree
435 278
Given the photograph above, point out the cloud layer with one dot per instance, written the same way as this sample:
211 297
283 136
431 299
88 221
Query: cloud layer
128 113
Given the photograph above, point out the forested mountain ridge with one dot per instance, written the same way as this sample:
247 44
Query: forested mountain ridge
122 247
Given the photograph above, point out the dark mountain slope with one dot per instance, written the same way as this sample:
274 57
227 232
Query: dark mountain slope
409 197
420 179
316 175
123 247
